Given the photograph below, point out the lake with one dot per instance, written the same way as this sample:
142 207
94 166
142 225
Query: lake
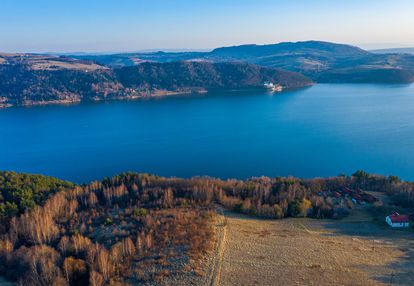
323 130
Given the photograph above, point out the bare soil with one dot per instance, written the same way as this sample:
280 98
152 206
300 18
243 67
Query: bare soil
353 251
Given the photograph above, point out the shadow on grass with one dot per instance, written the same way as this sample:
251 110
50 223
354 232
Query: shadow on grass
399 272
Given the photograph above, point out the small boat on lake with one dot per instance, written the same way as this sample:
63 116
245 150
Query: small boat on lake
273 87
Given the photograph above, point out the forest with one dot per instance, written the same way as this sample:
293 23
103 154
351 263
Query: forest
132 228
21 192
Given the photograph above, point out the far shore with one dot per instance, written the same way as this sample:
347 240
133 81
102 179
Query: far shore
135 96
158 93
142 95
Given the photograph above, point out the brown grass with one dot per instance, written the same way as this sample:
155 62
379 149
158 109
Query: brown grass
309 252
47 64
38 62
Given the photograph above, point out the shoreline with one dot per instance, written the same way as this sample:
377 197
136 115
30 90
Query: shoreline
153 94
140 95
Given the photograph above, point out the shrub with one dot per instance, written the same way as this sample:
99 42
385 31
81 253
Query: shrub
139 212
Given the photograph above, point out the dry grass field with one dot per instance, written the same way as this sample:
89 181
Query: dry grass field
39 62
354 251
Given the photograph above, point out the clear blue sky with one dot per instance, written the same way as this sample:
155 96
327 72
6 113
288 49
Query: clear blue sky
130 25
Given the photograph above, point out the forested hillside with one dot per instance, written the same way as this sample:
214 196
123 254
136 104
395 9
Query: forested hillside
182 75
31 79
135 228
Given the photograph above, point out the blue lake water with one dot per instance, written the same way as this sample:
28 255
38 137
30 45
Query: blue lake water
320 131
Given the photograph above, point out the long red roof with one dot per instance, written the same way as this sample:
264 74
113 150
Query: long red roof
399 218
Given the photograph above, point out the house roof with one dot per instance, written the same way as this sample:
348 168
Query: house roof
395 218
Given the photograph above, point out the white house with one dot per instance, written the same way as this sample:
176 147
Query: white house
397 220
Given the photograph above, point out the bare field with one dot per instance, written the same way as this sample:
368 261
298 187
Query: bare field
48 64
315 252
39 62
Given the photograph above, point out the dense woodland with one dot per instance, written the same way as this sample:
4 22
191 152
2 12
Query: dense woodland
207 75
131 228
21 192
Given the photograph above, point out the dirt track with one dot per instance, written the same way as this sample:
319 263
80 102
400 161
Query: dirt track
217 259
312 252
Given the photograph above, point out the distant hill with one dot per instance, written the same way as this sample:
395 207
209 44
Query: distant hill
394 51
304 47
31 79
362 75
300 56
131 59
321 61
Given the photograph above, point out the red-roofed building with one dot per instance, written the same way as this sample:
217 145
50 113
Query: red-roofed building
397 220
336 194
347 191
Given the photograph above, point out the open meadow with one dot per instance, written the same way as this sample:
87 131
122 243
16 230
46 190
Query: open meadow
352 251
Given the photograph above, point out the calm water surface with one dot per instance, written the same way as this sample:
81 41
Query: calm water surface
320 131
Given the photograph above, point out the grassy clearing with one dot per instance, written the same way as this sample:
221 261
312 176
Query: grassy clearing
356 251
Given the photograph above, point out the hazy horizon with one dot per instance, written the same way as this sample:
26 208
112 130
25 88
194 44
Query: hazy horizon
106 26
372 47
177 50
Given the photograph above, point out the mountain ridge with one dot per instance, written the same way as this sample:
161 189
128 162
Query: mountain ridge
409 51
319 60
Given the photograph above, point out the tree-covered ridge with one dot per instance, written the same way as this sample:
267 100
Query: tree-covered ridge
21 192
207 75
134 228
26 82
